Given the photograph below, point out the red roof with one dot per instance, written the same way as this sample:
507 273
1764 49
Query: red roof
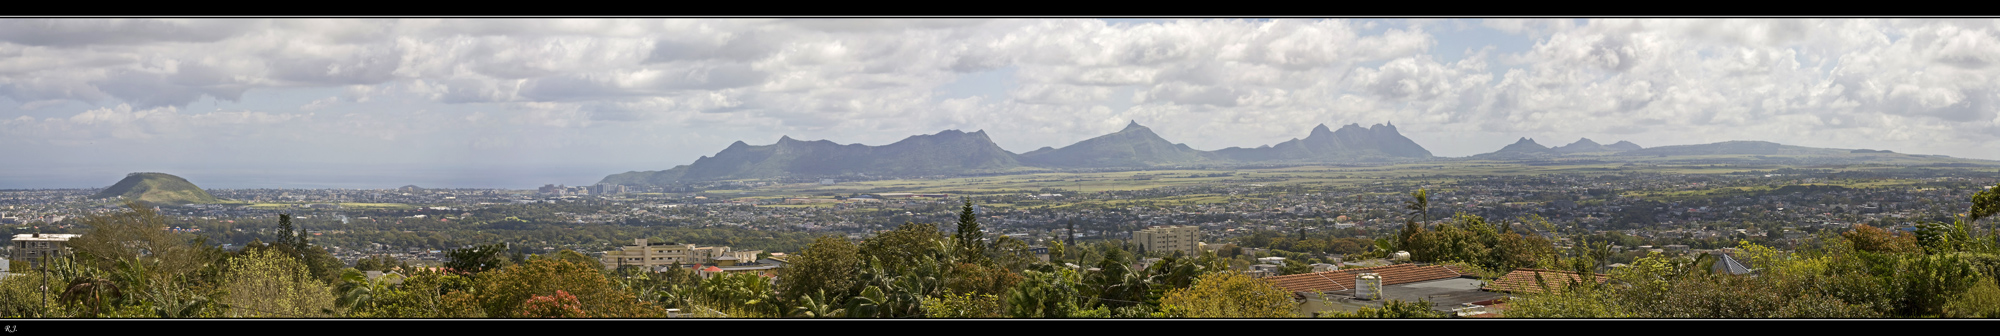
1522 280
712 269
1342 280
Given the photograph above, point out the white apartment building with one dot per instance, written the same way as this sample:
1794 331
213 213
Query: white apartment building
652 255
33 247
1186 239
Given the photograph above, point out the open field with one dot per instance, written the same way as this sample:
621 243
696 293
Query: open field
1409 175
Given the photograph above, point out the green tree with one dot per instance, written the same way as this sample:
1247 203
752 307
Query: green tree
265 283
829 265
970 240
1228 295
1870 239
356 292
139 235
1045 292
503 292
1980 301
477 259
906 244
578 258
955 305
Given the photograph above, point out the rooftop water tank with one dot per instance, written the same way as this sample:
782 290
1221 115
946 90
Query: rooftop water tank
1368 286
1401 256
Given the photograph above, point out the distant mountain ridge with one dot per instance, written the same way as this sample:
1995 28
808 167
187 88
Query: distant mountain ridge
949 152
1734 148
1134 146
156 188
953 152
1350 143
1527 148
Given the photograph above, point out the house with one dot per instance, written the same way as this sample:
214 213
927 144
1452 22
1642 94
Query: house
397 279
764 267
1726 264
1446 287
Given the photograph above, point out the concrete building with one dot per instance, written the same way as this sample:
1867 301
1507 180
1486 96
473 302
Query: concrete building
653 255
33 247
1167 239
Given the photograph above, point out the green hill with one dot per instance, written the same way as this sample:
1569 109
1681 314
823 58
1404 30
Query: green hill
1523 149
157 188
1351 143
1135 146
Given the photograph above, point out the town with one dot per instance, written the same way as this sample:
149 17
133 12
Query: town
1645 211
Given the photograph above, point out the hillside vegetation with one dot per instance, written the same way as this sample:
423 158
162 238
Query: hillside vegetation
157 188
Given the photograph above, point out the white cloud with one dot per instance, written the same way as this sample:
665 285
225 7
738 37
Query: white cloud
698 84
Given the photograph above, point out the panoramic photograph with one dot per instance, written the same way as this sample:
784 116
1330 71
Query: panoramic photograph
1002 168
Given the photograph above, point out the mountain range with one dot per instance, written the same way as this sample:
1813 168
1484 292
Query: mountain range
953 152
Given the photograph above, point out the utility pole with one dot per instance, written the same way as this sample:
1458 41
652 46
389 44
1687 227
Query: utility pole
45 284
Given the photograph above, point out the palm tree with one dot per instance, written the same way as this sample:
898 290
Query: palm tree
816 306
92 290
356 291
871 303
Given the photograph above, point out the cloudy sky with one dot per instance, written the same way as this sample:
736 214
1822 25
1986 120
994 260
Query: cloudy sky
518 103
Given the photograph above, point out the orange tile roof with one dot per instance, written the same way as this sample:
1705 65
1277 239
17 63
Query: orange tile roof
1522 280
1341 280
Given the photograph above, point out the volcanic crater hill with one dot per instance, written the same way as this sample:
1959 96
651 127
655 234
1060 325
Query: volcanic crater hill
157 188
1134 146
1349 143
949 152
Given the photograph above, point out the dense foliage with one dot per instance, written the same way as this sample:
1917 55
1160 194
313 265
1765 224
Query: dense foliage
128 265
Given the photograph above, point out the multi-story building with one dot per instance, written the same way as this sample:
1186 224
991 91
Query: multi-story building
1166 239
35 246
653 255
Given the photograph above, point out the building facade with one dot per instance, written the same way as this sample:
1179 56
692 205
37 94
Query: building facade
1166 239
652 255
33 247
